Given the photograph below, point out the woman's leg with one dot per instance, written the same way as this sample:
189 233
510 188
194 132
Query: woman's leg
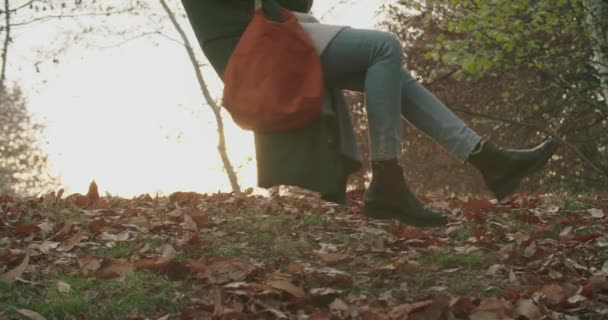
345 64
429 115
370 61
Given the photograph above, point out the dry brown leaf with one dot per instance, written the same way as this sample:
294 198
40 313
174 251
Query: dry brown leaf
462 306
89 265
333 257
339 308
493 270
201 219
596 213
402 310
168 253
30 314
433 312
553 294
70 243
93 194
111 268
295 267
287 287
220 270
63 287
528 309
493 309
189 224
11 275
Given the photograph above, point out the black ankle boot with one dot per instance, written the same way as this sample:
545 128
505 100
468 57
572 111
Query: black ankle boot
389 198
503 169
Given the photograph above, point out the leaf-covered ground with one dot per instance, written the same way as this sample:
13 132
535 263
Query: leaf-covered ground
192 256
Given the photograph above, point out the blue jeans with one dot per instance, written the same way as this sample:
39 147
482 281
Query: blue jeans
369 61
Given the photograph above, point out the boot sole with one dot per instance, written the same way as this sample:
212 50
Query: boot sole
382 214
505 187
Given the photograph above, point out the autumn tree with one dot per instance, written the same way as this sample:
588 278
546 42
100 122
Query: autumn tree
518 71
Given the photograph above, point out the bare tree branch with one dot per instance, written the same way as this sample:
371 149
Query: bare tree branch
7 39
205 90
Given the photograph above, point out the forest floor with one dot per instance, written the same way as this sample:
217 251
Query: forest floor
193 256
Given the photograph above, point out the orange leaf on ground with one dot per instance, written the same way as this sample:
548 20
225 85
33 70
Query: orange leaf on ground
479 205
11 275
287 287
168 253
201 219
26 230
111 268
553 294
93 194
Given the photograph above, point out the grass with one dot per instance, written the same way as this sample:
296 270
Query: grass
273 240
447 259
143 292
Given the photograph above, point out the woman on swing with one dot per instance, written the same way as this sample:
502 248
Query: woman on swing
369 61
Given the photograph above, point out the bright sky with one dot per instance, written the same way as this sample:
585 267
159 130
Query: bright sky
133 118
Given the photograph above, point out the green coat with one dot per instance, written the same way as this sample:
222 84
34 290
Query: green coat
311 157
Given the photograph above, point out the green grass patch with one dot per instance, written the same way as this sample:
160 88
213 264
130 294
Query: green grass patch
141 293
476 259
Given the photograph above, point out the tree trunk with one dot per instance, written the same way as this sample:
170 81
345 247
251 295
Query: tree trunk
596 12
7 39
214 106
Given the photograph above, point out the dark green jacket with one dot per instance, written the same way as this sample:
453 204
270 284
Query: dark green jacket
308 157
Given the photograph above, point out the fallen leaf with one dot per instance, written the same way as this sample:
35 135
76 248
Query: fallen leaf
11 275
401 311
333 257
287 287
30 314
89 264
596 213
63 287
111 268
338 307
70 243
493 270
295 267
576 299
26 230
189 224
528 309
462 306
553 293
168 253
201 219
434 311
220 270
479 205
492 309
93 194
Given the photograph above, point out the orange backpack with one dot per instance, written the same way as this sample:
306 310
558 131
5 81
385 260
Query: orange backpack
273 80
